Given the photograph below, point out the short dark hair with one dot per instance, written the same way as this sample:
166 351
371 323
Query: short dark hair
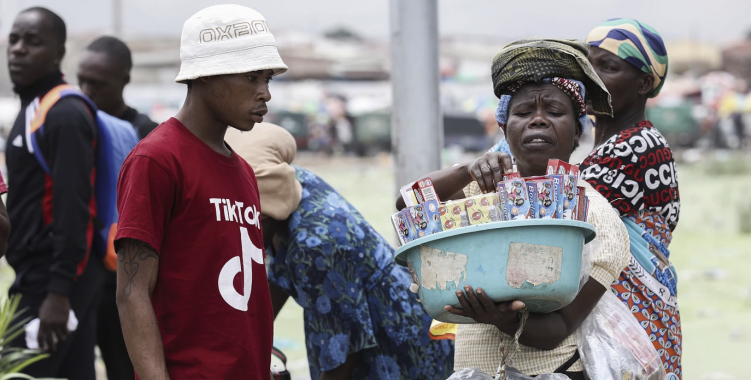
56 23
115 49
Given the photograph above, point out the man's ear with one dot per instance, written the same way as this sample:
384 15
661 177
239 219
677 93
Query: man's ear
646 84
503 128
127 78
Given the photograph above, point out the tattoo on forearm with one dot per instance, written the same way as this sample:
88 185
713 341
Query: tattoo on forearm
130 259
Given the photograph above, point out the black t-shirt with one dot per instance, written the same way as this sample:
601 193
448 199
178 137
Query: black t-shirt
140 122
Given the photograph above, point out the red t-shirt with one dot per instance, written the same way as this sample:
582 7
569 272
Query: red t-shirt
200 210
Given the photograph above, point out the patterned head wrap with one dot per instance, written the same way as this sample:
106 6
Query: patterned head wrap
538 59
636 43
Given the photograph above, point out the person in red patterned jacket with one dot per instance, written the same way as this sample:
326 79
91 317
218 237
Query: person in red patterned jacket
633 167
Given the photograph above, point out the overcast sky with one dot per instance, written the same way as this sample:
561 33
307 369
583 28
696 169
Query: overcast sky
716 21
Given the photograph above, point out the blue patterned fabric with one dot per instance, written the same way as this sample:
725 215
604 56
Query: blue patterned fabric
640 242
501 146
649 289
356 299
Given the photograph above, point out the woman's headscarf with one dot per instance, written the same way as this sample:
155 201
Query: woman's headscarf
270 149
562 63
636 43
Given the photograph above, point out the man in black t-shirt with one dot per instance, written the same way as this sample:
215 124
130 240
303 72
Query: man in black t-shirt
103 72
52 214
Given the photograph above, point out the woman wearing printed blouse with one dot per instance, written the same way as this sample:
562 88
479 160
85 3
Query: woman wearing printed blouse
633 167
361 320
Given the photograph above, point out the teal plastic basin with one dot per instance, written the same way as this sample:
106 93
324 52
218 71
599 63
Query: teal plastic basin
535 261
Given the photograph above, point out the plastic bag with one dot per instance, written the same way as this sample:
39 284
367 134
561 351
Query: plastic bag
511 374
613 345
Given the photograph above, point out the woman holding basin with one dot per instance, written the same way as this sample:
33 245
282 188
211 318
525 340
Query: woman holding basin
361 320
542 85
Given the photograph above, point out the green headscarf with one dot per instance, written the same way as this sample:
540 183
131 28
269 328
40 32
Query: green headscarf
535 59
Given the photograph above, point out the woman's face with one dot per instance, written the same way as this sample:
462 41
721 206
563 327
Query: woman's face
541 125
623 80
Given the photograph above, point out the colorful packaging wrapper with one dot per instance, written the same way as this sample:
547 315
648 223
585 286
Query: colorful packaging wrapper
532 196
482 209
408 195
408 230
570 181
424 191
558 180
580 210
512 175
570 196
545 207
447 221
442 330
419 192
401 226
426 218
514 200
455 215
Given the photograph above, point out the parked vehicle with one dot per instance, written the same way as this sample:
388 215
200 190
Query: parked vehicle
676 123
295 123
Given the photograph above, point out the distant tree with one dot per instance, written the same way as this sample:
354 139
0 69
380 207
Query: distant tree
343 34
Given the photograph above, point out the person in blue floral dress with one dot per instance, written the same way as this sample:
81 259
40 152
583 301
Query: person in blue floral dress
361 320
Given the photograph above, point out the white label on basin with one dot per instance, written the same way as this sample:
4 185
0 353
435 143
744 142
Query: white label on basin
533 263
439 267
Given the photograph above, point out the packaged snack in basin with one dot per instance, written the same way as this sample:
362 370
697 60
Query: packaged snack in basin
545 207
426 218
580 210
513 200
401 226
482 209
557 180
425 191
408 228
452 217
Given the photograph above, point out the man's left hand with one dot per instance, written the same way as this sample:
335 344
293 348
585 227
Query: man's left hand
53 321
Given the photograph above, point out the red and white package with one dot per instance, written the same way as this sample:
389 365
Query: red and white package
419 192
425 191
580 211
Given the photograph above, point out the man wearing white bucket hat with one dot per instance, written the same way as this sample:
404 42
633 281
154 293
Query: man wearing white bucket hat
192 291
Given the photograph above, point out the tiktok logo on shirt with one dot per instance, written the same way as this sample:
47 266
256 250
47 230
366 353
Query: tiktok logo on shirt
244 262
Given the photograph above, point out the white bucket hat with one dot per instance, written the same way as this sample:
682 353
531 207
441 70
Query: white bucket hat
227 39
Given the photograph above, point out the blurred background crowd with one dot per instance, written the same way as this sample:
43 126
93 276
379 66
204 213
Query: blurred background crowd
336 99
